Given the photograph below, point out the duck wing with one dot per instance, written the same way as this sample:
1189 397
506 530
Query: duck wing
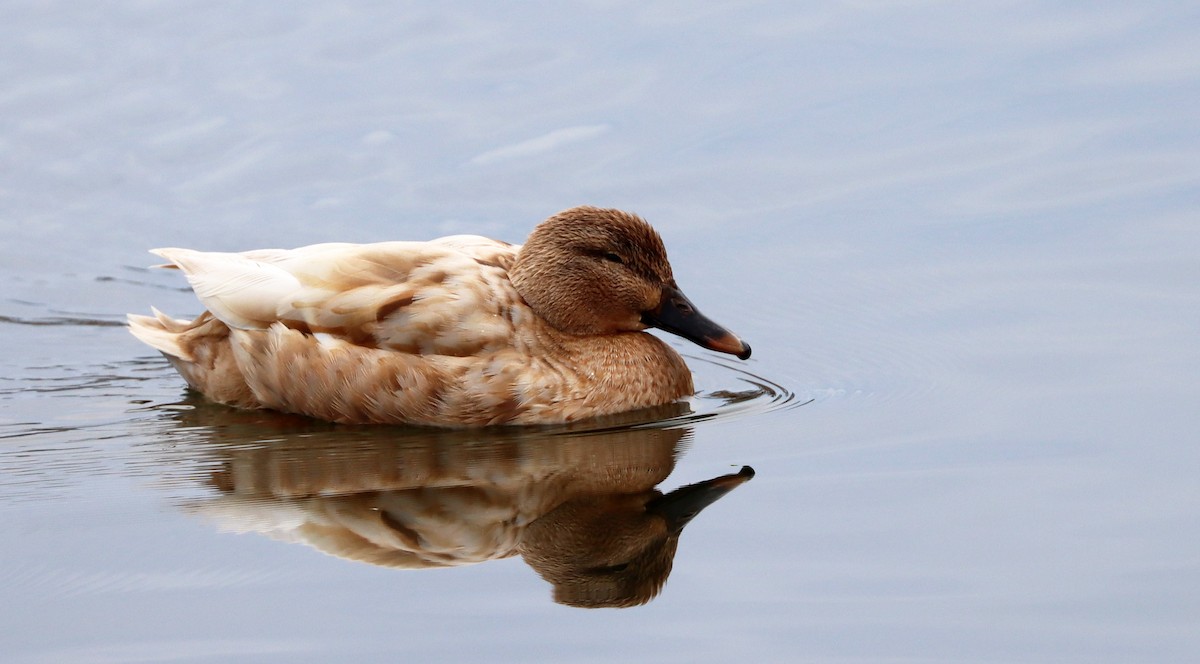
450 296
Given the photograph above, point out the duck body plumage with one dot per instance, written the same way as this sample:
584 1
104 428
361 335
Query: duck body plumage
428 333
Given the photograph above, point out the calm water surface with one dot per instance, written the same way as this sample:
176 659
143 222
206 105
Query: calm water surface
962 239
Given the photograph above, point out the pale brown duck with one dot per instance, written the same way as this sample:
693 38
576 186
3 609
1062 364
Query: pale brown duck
461 331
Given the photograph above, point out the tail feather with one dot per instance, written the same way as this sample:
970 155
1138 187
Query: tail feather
199 350
162 333
242 292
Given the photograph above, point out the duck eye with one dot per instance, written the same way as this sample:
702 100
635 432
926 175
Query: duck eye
613 258
610 569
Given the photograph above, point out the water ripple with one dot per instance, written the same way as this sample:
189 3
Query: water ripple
65 321
727 389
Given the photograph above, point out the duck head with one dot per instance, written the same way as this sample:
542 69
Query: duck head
593 271
617 550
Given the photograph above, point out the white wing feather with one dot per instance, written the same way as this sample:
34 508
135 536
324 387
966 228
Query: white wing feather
446 296
242 292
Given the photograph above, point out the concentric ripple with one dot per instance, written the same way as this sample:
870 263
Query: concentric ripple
726 389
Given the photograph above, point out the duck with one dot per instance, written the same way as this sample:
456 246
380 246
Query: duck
462 331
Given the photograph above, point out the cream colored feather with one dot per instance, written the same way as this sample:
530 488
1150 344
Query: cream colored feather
243 293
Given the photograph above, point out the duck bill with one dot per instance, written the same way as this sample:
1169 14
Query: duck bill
676 314
683 504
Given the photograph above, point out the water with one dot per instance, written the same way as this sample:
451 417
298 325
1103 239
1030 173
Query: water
961 239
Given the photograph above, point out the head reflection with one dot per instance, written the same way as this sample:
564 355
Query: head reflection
580 507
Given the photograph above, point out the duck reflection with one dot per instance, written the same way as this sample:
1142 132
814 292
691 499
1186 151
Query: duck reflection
579 506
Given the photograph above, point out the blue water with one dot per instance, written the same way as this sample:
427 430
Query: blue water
961 238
